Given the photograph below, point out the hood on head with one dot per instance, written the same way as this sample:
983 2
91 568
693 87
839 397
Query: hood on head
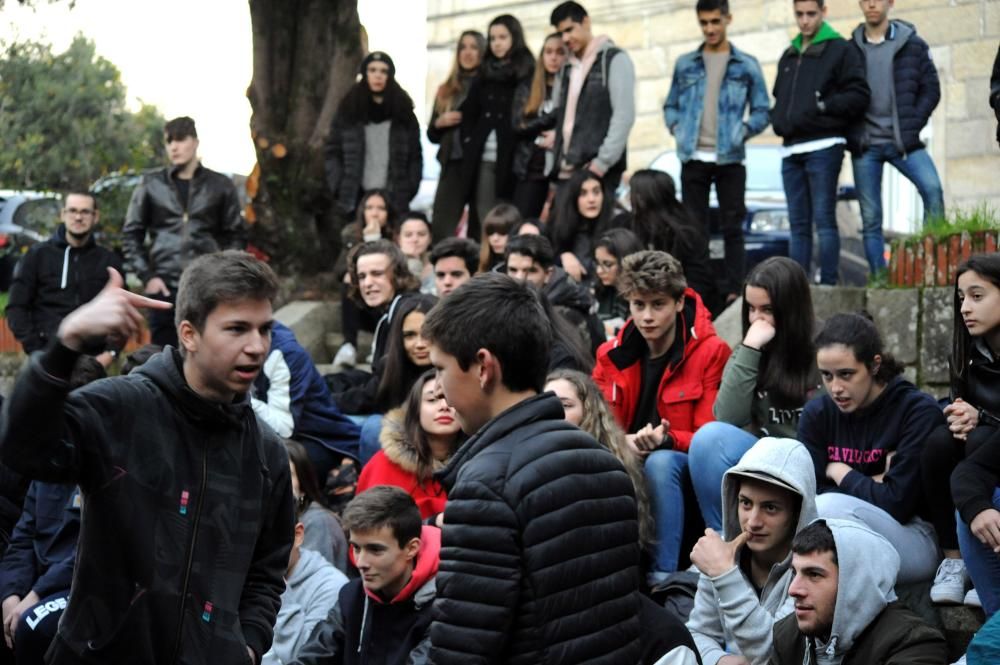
785 461
868 564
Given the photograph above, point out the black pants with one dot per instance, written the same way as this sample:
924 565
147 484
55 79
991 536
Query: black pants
730 186
354 318
941 454
530 195
449 202
37 628
162 329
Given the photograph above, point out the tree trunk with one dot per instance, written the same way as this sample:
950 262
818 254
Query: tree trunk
305 56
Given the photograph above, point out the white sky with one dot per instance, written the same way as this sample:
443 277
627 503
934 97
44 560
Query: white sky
194 57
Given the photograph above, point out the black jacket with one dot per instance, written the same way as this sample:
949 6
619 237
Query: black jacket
488 108
529 159
916 89
976 477
540 555
52 280
895 637
344 157
189 517
819 93
179 234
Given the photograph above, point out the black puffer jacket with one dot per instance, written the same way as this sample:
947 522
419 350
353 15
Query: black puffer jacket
540 557
821 92
188 520
345 162
916 88
52 280
210 222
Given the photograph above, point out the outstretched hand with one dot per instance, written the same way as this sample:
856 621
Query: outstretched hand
113 312
713 555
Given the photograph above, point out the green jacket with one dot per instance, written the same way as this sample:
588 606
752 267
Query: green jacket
740 403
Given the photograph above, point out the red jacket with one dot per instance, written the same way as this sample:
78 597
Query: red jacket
687 390
396 464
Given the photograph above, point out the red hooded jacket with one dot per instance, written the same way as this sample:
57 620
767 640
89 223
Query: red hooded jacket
687 390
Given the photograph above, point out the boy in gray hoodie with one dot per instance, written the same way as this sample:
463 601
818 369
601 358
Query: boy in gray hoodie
850 619
743 590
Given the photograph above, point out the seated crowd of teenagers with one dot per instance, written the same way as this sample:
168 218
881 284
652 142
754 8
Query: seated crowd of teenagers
546 405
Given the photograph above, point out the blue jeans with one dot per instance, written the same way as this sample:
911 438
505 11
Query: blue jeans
917 167
811 192
982 563
715 448
369 443
915 541
666 471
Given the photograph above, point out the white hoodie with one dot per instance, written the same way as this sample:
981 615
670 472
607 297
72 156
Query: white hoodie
727 611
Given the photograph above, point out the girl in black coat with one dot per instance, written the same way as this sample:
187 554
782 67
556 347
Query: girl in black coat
374 140
487 131
534 123
450 198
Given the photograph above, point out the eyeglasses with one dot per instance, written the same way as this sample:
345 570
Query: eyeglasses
607 265
73 212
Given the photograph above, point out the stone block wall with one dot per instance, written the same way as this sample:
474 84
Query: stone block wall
963 35
916 326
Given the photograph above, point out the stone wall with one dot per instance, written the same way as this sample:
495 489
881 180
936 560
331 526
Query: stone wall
963 35
916 326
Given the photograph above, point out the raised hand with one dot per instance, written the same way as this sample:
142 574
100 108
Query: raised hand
113 312
758 334
714 556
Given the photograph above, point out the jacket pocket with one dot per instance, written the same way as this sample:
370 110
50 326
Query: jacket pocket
679 402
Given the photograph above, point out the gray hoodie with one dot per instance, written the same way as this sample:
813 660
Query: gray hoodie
870 564
727 610
310 594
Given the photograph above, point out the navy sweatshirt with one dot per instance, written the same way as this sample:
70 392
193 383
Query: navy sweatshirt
898 421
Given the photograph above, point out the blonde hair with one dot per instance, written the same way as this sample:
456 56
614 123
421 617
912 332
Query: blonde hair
599 422
449 93
537 96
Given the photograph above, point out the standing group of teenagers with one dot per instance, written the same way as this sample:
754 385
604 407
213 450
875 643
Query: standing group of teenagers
552 439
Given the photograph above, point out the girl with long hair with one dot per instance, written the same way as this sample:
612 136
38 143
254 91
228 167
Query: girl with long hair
534 124
609 251
497 226
324 534
586 408
767 381
443 129
865 436
374 140
973 416
417 440
407 354
581 211
374 219
662 222
487 128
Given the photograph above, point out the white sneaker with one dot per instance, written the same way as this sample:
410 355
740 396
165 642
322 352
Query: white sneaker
972 599
960 661
347 356
950 583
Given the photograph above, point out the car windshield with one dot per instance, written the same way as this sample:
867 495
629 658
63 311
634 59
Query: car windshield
41 215
763 164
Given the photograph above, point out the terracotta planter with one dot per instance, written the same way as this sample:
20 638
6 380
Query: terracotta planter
934 261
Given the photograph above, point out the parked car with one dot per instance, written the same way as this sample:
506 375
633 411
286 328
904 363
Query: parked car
766 229
25 218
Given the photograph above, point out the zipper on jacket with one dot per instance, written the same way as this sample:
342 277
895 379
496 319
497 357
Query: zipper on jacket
177 193
190 557
795 80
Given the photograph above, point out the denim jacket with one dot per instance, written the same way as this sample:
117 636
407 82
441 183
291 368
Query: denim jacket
742 85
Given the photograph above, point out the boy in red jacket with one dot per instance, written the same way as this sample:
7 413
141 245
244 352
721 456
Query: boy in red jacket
661 375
